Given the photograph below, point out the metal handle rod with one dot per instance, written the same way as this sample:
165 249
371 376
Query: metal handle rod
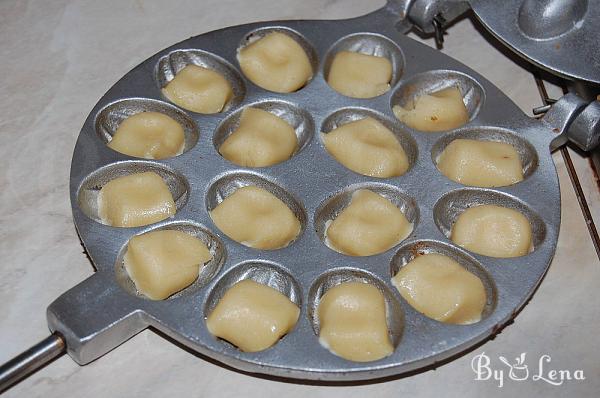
31 360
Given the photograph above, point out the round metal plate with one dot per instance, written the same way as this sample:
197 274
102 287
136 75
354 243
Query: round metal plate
105 310
557 35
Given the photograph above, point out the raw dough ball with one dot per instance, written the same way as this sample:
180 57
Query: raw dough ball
199 89
135 200
353 322
360 75
162 263
276 62
150 135
370 224
493 231
262 139
252 316
256 218
439 111
442 289
481 163
367 147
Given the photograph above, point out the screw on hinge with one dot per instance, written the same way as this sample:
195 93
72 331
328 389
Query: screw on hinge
541 110
439 23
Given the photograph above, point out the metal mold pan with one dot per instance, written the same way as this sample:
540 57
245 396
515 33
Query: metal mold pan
99 314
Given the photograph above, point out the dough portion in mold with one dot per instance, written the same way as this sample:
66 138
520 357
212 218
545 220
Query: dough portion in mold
149 135
369 225
164 262
493 231
276 62
439 111
199 89
252 316
367 147
261 139
481 163
135 200
353 322
360 75
442 289
256 218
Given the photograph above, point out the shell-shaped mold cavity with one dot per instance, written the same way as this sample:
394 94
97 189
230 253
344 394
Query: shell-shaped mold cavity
436 80
329 209
451 205
369 44
336 276
526 151
87 194
227 184
308 48
112 115
207 271
547 19
265 272
409 251
298 118
169 65
348 115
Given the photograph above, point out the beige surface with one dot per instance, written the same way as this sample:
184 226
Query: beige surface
58 59
360 75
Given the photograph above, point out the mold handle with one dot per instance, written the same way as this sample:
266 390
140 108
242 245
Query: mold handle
94 317
31 360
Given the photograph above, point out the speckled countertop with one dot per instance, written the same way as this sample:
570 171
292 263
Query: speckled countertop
59 57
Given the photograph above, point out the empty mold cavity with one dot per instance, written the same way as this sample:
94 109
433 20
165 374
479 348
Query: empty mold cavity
298 118
547 19
453 204
334 205
369 44
433 81
169 65
112 115
409 251
264 272
308 48
526 151
87 194
337 276
348 115
207 271
229 183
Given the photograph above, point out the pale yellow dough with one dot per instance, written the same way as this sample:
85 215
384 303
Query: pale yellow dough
442 289
439 111
371 224
162 263
261 139
135 200
367 147
252 316
481 163
256 218
276 62
353 323
493 231
360 75
149 135
199 89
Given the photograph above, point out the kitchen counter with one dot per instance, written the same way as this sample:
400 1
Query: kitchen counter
58 58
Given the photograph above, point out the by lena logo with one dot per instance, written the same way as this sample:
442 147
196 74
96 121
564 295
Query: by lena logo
520 371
